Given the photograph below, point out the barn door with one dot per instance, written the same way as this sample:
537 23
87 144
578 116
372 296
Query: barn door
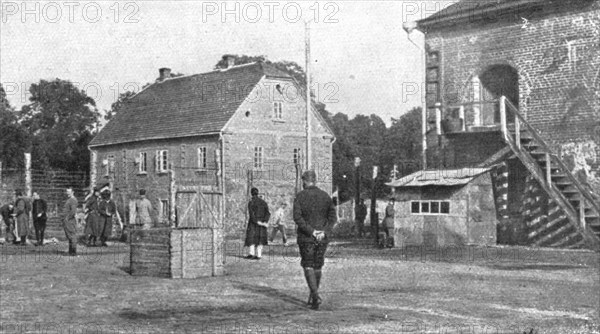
188 210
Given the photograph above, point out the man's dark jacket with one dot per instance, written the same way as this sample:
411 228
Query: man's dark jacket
39 206
313 210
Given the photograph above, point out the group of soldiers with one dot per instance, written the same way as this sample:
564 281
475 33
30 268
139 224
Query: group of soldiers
100 211
16 218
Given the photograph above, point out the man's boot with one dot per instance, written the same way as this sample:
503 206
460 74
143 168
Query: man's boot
24 241
37 237
42 237
311 280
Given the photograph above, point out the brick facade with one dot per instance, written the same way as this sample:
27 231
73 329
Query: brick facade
556 54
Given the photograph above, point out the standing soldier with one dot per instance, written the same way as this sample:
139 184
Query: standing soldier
91 220
314 213
7 211
22 209
39 218
258 222
107 210
388 221
70 222
280 223
143 207
361 214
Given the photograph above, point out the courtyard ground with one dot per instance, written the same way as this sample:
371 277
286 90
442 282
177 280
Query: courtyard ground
365 290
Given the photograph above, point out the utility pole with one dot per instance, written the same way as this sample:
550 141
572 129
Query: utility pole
357 166
308 99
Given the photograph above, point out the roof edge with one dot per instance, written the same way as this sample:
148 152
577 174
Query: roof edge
207 134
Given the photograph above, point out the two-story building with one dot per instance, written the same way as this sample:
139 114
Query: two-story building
515 84
222 131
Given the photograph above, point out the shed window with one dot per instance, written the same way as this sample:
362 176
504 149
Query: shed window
430 207
277 110
258 157
414 207
162 161
424 207
445 207
143 167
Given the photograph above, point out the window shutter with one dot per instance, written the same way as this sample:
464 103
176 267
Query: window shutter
157 162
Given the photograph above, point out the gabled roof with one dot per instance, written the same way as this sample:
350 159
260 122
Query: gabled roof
439 177
472 10
185 106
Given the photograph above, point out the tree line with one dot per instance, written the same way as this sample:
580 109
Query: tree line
59 121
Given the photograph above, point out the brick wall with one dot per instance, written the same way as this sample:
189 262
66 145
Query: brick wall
558 87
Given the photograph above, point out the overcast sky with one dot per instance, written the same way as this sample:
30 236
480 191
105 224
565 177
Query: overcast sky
363 62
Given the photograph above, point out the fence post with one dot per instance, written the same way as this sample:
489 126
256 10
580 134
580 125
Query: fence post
438 118
93 170
28 174
461 115
503 117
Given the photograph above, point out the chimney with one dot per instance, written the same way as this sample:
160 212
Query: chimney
164 73
230 59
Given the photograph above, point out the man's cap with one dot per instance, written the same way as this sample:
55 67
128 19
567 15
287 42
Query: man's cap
142 192
309 176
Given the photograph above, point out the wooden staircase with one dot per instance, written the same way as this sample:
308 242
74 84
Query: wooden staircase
574 212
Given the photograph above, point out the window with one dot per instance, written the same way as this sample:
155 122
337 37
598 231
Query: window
277 110
110 165
258 157
143 163
297 156
202 157
162 161
164 210
414 207
430 207
183 150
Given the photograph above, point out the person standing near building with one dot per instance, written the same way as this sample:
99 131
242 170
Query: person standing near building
143 208
388 221
256 233
361 214
314 214
70 221
107 210
39 218
280 223
92 218
22 209
8 216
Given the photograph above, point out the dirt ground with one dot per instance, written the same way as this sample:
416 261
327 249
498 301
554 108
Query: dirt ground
365 290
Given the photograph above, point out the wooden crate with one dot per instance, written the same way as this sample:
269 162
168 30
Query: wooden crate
177 253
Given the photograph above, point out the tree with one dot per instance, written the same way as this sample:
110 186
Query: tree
15 140
60 117
403 144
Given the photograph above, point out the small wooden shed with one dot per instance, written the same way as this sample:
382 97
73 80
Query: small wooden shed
191 247
445 207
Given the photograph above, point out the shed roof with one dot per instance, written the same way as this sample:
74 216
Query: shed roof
191 105
439 177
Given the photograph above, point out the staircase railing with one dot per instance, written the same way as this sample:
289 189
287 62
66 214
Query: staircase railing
515 143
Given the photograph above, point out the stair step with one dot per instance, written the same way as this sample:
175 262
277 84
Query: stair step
537 153
571 190
578 244
548 225
553 234
571 240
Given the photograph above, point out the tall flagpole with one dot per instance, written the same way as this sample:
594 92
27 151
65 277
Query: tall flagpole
308 98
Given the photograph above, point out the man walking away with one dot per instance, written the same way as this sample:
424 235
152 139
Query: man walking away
22 209
70 222
256 233
143 208
39 218
314 213
7 212
279 223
